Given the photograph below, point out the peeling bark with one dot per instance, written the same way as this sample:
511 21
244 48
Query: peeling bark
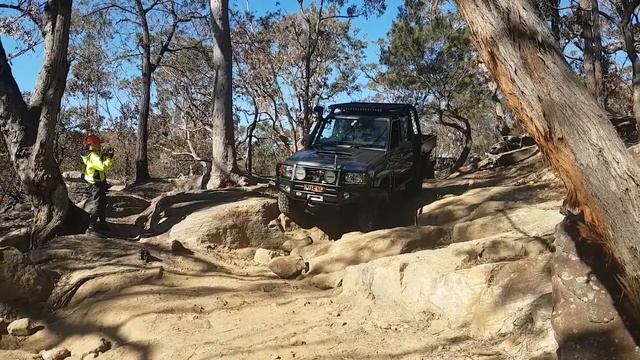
572 131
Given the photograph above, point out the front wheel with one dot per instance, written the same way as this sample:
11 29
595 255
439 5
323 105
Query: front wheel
368 215
367 218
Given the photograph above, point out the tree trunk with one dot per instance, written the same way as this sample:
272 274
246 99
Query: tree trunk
301 133
142 163
223 144
630 45
29 129
591 34
249 164
466 150
468 139
572 131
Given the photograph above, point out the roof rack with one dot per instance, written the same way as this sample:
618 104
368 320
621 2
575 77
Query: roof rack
364 107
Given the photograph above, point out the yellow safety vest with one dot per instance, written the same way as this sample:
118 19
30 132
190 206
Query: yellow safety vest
96 166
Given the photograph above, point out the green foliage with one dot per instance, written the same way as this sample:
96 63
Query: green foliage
428 60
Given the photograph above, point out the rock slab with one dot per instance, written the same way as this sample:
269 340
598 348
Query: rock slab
21 327
288 267
55 354
264 256
233 225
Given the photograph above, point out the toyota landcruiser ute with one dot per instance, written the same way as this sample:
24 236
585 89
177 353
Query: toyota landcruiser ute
358 157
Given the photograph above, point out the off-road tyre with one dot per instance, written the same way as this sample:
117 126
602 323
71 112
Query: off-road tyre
368 215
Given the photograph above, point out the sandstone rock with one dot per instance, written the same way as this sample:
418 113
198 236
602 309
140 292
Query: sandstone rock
18 355
20 327
534 221
310 251
55 354
291 244
233 225
104 346
287 224
489 300
327 281
264 256
486 212
514 156
288 267
246 253
357 248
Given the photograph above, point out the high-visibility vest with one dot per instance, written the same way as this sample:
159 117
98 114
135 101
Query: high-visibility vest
96 166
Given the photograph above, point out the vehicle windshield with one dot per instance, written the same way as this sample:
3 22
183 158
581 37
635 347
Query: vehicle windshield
353 132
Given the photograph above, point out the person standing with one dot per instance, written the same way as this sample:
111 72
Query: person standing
97 163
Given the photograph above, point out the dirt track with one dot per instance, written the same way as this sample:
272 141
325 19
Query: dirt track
220 304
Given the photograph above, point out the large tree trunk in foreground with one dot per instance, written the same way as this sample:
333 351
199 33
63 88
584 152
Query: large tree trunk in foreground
224 153
29 128
572 131
591 33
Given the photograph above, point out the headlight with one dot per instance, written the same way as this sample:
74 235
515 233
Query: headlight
329 177
285 170
300 173
356 178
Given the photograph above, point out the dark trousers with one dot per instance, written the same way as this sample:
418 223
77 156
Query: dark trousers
97 203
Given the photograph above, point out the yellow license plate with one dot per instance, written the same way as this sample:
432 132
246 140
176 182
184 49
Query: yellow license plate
314 188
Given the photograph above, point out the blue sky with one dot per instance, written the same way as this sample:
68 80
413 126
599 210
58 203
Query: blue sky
25 68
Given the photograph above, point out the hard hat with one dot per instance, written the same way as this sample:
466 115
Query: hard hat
93 140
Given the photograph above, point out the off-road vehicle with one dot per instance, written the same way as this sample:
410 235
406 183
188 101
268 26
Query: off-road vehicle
358 157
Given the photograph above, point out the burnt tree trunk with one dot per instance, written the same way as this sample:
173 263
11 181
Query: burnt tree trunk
142 164
591 34
223 146
28 128
572 131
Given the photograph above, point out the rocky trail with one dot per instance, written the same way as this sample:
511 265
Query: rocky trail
461 273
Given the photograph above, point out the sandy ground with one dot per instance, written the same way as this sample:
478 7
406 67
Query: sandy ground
224 306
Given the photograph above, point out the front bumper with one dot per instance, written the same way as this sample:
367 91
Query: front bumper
331 195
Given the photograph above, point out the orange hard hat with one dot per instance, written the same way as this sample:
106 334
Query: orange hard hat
93 140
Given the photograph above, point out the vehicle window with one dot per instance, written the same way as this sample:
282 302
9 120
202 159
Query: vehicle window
396 133
362 132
